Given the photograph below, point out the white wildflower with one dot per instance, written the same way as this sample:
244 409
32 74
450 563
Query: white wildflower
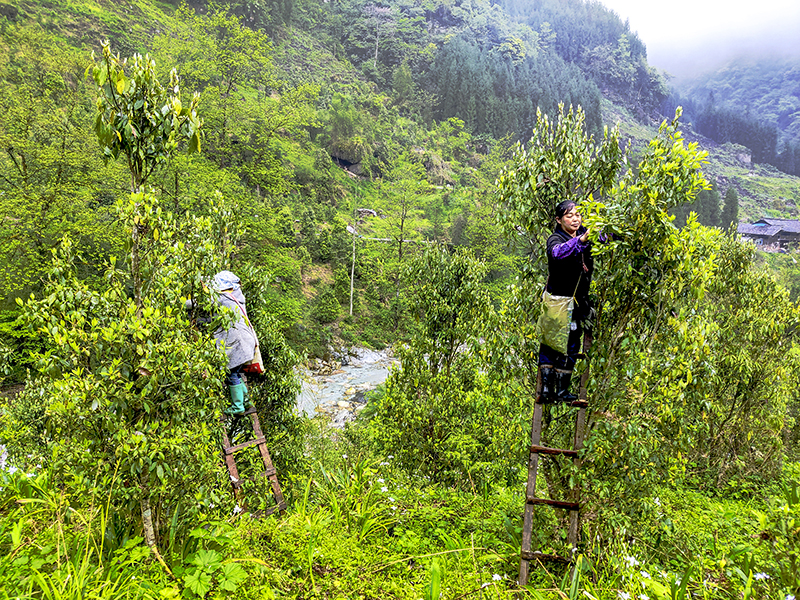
761 576
496 577
657 501
624 595
789 597
344 456
645 574
237 509
632 562
380 480
643 597
384 489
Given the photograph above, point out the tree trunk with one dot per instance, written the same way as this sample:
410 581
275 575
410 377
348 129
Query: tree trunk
135 258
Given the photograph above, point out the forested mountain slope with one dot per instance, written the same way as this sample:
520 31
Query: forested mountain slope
755 103
762 189
768 89
424 92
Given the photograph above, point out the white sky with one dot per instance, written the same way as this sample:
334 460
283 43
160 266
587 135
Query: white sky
678 33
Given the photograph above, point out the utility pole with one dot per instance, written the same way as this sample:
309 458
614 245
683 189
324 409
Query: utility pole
352 270
353 264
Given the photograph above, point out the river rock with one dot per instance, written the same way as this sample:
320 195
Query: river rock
342 417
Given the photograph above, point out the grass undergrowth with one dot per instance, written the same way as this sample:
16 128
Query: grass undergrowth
360 527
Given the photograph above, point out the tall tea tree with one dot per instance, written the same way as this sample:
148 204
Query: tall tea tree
561 162
143 121
684 330
146 123
140 119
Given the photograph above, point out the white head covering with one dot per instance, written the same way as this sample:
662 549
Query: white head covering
225 280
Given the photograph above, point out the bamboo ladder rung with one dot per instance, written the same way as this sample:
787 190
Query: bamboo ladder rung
575 403
542 556
554 503
554 451
267 474
271 510
243 445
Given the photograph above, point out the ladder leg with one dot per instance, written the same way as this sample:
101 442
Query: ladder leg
270 472
530 489
574 515
230 463
573 505
268 466
580 432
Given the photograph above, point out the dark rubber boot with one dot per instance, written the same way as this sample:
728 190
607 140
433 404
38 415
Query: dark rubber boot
562 386
548 393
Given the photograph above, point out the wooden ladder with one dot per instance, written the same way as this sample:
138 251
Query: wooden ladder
536 449
270 472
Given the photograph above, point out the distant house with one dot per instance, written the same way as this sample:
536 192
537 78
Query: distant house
772 232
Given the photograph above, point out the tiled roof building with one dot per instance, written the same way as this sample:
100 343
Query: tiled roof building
768 231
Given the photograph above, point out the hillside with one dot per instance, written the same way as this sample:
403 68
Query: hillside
320 105
768 89
316 111
763 190
753 103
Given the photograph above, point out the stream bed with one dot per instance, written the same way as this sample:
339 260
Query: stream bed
339 390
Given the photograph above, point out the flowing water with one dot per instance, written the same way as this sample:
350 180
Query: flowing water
342 391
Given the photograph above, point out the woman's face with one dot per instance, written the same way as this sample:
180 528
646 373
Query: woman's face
571 221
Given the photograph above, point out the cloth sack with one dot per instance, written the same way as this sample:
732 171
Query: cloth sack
554 322
256 365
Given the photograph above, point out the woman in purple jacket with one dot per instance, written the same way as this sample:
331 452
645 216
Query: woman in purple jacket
570 266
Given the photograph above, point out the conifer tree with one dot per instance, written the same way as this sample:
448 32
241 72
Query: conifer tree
707 207
730 211
711 208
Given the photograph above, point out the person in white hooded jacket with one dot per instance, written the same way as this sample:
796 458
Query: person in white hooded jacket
239 340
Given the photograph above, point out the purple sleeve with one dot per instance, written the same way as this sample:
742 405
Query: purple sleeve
607 237
569 248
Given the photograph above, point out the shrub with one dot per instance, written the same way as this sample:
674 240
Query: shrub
327 308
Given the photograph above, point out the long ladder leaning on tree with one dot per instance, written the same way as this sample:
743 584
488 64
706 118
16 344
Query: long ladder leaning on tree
228 452
536 449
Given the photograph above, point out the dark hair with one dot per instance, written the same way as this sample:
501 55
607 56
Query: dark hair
564 207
